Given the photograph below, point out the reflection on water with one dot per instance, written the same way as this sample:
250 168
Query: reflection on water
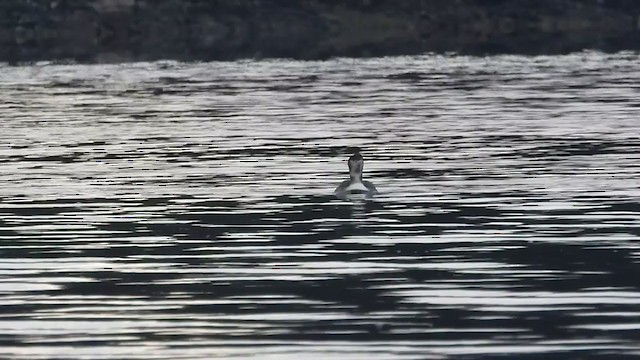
169 210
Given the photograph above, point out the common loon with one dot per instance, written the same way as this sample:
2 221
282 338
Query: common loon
355 184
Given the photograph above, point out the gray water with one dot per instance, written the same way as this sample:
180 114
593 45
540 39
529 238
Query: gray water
185 211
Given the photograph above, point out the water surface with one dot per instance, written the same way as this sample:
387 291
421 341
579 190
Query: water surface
184 210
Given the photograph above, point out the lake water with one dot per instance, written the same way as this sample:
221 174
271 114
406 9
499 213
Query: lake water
185 211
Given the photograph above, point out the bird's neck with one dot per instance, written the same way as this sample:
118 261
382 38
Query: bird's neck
355 176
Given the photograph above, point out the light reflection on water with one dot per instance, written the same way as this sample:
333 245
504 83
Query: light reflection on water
170 210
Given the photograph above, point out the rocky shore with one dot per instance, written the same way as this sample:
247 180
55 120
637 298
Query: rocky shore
129 30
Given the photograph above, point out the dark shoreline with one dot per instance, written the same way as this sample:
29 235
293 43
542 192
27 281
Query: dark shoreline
141 30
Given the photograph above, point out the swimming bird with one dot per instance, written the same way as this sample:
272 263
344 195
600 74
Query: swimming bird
355 184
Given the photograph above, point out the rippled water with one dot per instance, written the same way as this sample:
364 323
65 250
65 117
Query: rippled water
185 211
